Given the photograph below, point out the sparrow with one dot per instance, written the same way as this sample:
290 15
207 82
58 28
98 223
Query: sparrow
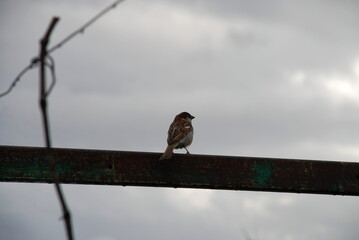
180 134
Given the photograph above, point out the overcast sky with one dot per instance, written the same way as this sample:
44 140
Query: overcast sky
263 78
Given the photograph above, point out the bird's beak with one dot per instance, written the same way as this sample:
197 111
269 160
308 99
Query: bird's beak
191 117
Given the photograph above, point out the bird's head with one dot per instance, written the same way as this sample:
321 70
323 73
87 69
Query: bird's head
185 115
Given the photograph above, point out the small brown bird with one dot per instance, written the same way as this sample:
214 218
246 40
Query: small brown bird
180 134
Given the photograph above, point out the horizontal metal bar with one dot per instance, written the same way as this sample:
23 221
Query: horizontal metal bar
30 164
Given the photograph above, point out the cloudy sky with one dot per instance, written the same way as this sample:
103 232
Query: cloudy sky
263 78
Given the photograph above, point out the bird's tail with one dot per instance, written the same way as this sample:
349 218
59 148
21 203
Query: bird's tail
168 153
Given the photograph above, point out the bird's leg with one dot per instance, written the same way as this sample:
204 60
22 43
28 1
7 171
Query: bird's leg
187 150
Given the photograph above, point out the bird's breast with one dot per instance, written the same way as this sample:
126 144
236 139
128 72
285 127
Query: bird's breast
186 140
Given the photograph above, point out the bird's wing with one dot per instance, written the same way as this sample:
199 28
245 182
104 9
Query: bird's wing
178 130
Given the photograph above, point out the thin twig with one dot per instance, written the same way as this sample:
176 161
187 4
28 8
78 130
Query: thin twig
17 79
86 25
52 68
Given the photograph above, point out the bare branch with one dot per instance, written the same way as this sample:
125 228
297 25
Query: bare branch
43 105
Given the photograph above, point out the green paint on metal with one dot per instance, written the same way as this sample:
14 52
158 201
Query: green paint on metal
263 173
62 168
36 170
338 188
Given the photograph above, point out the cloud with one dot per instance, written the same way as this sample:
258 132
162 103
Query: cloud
192 200
270 79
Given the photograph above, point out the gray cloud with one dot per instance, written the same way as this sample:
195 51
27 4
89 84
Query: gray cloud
263 78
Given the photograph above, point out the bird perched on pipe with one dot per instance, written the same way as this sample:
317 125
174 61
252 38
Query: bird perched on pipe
180 134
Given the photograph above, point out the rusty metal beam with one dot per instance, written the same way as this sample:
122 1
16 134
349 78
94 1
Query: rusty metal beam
75 166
